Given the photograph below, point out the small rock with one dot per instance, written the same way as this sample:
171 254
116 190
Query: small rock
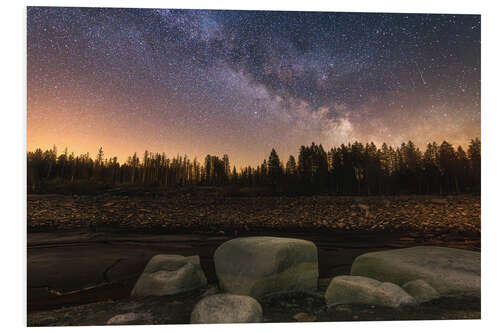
347 289
48 320
227 308
130 318
304 317
421 290
343 308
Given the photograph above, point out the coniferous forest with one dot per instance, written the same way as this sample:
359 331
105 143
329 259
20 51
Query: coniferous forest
351 169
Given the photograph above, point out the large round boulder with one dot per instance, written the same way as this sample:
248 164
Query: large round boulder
451 272
170 274
226 308
260 266
347 289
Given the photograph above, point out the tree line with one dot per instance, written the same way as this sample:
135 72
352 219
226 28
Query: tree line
352 169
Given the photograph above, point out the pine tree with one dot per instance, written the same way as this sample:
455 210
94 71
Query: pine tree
274 170
291 167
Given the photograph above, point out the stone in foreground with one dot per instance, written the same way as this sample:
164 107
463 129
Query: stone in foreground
169 275
452 272
130 318
421 291
261 266
226 308
347 289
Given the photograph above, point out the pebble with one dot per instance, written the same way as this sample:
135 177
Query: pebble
47 321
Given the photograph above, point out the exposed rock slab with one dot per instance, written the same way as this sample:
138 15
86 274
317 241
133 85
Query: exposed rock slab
421 291
227 308
260 266
347 289
452 272
168 275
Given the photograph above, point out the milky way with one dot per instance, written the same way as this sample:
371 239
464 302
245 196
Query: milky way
242 82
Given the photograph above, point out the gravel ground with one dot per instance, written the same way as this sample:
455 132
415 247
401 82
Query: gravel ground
216 214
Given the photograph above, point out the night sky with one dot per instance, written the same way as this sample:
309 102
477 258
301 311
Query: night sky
242 82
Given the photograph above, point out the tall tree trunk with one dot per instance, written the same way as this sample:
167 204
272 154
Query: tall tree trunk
48 171
456 185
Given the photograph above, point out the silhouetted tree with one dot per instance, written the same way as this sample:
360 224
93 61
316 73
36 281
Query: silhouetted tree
291 167
274 169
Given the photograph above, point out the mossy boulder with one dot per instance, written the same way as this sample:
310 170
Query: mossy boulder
260 266
451 272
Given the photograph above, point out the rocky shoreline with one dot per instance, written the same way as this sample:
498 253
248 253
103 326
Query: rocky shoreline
432 279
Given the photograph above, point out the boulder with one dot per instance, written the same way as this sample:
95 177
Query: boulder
261 266
226 308
421 291
347 289
168 275
451 272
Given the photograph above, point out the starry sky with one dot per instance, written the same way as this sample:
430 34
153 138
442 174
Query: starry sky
200 82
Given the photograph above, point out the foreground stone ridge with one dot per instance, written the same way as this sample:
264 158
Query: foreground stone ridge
168 275
227 308
260 266
346 289
451 272
421 291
